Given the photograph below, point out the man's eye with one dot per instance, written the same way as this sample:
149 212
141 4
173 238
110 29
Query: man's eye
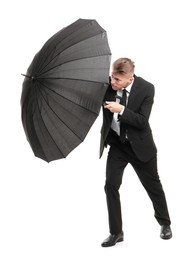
117 80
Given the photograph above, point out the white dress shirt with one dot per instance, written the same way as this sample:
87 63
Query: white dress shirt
115 123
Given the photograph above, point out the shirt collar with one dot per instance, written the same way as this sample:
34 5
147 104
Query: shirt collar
128 88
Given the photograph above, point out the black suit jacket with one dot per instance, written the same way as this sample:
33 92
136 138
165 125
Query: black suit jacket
134 120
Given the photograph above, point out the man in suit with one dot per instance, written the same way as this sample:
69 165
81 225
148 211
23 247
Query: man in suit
126 110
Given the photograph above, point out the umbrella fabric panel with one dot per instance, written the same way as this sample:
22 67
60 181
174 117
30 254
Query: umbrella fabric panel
40 140
54 130
75 33
90 48
88 95
54 135
77 118
49 137
91 69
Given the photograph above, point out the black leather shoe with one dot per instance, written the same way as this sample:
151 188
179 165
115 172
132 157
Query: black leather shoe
166 232
112 240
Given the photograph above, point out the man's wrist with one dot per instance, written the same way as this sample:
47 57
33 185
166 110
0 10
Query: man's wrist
122 110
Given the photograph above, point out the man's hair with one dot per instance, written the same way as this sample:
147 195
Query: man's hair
123 66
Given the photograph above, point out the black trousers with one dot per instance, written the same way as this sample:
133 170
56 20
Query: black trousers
120 154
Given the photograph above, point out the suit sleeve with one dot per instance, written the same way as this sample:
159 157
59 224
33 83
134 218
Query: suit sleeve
140 118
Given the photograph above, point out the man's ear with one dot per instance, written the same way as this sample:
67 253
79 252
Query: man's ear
131 79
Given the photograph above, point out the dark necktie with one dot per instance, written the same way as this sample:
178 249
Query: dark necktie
123 100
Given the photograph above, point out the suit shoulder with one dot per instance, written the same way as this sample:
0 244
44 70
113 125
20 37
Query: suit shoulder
144 82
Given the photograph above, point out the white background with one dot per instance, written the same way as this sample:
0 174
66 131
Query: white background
58 210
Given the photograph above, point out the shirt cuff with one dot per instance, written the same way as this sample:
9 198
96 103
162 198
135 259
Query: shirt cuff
121 113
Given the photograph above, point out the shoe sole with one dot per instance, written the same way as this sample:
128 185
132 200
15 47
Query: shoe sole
166 238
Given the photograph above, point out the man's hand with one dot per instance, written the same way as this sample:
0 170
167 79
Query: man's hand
114 107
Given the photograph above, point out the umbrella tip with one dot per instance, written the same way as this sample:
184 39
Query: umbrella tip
26 76
30 77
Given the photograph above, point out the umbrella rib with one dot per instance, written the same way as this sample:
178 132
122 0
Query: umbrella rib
58 116
85 80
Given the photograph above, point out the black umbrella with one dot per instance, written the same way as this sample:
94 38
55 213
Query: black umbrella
64 87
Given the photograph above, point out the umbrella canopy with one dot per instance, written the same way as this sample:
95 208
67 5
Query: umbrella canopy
64 87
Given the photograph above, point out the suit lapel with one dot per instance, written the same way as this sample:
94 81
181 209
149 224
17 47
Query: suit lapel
133 92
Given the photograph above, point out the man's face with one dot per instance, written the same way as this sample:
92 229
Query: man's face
120 81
